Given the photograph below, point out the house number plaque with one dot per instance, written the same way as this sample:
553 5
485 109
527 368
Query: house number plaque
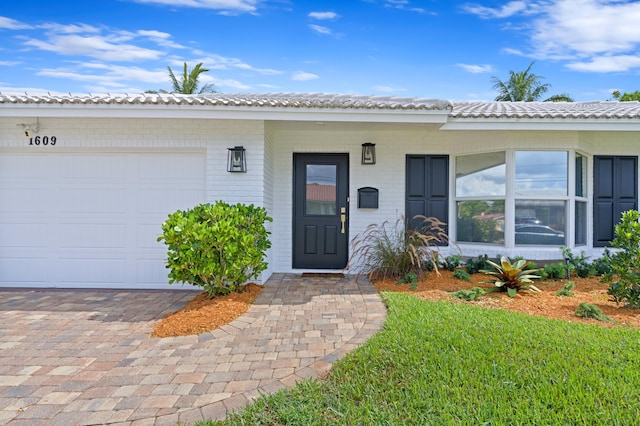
44 140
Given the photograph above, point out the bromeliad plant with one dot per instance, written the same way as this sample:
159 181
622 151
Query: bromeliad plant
512 277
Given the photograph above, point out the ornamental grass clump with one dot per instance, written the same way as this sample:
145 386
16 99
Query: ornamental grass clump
512 277
218 247
393 250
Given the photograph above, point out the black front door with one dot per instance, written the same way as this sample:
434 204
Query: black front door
320 211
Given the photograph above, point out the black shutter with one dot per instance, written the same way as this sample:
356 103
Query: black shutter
615 191
427 187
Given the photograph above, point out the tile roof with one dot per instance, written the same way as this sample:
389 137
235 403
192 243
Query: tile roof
547 110
337 102
263 100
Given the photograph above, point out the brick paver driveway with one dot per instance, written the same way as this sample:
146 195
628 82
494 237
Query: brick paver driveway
77 357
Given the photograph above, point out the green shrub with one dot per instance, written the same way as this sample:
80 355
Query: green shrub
566 290
554 271
512 277
218 247
451 262
625 263
469 295
462 275
588 310
602 265
474 266
579 263
393 250
409 278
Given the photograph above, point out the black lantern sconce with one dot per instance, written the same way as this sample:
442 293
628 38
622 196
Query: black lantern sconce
236 160
368 153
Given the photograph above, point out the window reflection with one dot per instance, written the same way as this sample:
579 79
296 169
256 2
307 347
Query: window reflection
581 175
540 222
541 173
481 221
321 189
480 175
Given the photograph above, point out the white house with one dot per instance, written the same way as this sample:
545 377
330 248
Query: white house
86 181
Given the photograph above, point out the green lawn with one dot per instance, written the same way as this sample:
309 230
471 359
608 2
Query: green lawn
443 363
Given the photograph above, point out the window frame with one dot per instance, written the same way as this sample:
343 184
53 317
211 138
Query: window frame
570 199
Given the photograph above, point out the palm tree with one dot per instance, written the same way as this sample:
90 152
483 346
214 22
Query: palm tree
524 86
188 83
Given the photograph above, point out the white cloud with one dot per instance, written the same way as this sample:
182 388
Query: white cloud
323 15
303 76
403 5
476 69
218 62
12 24
588 35
507 10
232 84
160 38
226 6
96 46
9 63
607 64
320 29
512 51
587 27
107 74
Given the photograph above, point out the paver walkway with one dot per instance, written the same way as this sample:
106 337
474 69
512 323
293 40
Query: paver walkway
80 357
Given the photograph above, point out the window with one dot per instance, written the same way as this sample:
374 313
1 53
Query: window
480 175
541 173
580 200
529 190
321 189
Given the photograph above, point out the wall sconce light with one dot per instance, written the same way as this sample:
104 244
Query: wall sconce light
236 159
368 153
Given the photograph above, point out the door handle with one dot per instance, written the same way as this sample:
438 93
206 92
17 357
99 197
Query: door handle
343 219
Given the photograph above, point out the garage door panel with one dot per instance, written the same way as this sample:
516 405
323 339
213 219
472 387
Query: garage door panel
93 236
91 271
23 271
148 236
105 166
152 201
17 235
92 219
185 167
93 200
151 271
22 199
21 167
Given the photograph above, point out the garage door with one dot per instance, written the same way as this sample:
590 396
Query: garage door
91 220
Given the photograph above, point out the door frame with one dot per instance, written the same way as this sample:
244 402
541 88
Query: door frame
300 218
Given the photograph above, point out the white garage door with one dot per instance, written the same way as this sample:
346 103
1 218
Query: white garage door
91 220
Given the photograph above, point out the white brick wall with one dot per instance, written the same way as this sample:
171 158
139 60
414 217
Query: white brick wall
270 147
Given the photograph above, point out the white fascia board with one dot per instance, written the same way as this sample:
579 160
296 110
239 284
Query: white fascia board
225 112
610 125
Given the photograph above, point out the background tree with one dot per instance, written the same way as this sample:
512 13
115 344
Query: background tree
624 97
525 86
189 82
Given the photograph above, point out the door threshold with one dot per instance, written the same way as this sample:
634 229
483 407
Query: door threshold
322 275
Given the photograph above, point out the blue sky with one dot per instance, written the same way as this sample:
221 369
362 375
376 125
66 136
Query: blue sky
431 48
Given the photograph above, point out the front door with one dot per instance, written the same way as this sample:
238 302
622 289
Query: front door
320 211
